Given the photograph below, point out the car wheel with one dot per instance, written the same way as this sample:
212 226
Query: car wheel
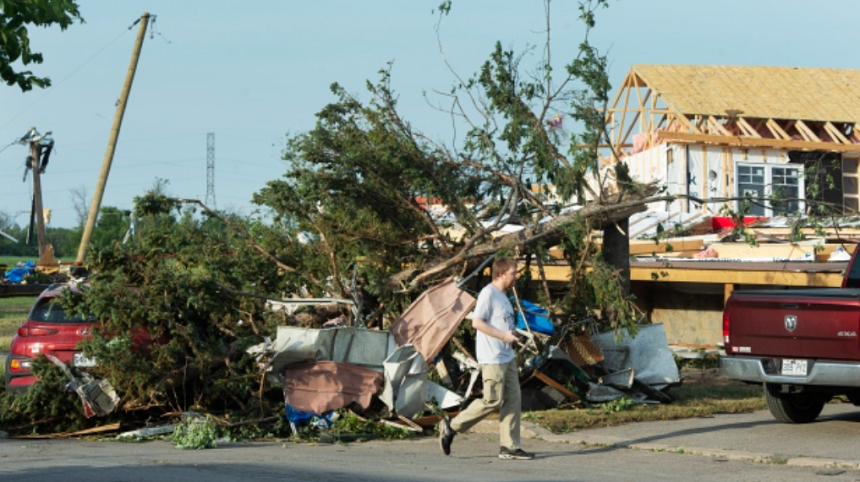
792 407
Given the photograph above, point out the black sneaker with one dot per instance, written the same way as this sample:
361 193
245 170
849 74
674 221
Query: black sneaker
517 454
446 436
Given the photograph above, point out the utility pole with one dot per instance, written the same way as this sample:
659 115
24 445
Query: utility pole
36 142
114 135
35 154
210 170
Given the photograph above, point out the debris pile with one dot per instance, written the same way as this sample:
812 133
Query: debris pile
30 278
423 368
386 375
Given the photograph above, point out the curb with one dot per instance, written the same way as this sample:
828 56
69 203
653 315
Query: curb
530 430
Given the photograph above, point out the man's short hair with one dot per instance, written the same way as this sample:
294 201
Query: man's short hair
502 265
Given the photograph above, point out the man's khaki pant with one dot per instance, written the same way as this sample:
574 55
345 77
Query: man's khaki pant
502 392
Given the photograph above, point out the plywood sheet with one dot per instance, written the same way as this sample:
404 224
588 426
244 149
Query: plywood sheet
814 94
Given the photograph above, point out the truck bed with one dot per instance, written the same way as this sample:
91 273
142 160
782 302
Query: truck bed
808 324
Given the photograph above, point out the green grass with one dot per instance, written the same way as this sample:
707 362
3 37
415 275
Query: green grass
697 399
12 260
13 312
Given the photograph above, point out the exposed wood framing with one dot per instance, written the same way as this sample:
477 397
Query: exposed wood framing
640 114
714 125
749 142
748 129
834 132
619 140
686 123
806 132
777 131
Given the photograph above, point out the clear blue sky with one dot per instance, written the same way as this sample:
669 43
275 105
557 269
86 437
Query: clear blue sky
254 72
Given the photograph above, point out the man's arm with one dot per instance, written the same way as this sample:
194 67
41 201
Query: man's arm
481 325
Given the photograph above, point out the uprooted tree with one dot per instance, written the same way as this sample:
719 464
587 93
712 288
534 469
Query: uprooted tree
348 222
356 182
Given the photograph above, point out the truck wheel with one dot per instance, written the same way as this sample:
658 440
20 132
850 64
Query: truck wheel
792 407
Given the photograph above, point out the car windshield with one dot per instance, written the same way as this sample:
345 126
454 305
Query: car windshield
48 309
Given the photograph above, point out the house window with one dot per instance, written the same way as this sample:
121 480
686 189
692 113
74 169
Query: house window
783 182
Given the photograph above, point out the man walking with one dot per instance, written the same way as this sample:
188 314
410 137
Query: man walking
495 323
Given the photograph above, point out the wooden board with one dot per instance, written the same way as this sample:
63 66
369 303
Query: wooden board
751 142
554 384
779 251
728 275
812 94
645 247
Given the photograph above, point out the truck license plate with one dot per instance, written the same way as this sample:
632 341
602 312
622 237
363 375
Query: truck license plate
794 367
80 361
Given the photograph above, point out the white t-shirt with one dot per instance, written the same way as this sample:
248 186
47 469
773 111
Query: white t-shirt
494 308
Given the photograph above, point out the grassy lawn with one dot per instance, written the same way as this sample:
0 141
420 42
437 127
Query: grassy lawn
12 260
699 396
13 312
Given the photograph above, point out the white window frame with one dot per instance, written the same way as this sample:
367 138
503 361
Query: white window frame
768 183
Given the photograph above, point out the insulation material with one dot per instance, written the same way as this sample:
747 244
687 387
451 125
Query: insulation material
715 172
664 163
707 168
431 320
648 165
322 386
769 156
696 175
675 169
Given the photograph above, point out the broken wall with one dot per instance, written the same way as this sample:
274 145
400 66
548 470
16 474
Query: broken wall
691 315
701 171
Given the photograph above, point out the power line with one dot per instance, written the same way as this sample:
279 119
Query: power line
53 87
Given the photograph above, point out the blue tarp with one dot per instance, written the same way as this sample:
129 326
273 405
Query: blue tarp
17 274
537 317
300 419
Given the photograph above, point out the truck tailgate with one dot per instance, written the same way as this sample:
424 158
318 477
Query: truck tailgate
815 323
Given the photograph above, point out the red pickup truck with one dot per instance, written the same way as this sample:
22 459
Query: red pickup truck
802 345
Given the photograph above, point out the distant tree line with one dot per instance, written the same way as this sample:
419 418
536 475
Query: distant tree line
112 225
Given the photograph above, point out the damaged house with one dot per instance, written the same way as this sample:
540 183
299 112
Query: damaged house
715 132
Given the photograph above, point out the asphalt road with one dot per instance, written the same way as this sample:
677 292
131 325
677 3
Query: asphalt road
474 460
747 447
832 438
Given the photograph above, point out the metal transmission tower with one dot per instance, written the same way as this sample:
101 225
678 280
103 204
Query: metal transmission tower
210 170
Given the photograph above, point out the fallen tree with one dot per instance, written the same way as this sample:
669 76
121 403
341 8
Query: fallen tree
370 209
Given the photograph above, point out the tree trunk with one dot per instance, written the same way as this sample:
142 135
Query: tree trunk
616 249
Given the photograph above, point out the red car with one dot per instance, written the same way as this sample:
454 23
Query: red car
50 331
